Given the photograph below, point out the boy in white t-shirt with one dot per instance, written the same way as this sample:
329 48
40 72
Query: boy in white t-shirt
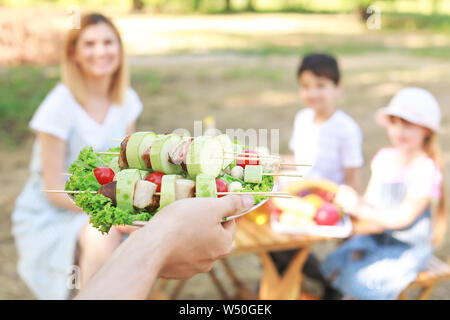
324 136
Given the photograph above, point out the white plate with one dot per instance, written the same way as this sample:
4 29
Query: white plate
142 223
245 212
342 230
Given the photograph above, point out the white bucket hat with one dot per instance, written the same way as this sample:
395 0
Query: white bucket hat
414 105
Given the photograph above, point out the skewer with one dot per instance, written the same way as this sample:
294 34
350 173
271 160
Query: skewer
262 193
112 153
239 158
282 174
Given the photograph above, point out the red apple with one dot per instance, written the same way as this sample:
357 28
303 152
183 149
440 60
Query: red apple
327 215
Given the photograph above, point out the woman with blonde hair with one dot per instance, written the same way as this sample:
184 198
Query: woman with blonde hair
92 104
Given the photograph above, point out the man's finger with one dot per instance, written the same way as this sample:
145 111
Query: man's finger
233 204
229 225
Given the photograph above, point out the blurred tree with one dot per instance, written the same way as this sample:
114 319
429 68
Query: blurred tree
138 5
228 5
196 5
250 6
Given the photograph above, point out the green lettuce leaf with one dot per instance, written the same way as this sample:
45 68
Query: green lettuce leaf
102 213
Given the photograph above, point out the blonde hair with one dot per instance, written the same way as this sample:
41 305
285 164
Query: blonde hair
72 75
432 149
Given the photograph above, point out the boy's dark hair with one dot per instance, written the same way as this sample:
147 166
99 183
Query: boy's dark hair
322 65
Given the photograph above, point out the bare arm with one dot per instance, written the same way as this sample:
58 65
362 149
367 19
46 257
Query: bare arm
131 128
132 269
399 217
53 152
183 239
352 178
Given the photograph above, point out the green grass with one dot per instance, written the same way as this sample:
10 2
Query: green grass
439 23
22 89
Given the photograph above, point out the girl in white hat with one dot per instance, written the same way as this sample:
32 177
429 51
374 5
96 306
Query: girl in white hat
404 201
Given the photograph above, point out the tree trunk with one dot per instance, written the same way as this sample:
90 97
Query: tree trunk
250 6
138 5
228 5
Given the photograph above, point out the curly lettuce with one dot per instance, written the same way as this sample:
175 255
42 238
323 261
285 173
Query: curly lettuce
102 213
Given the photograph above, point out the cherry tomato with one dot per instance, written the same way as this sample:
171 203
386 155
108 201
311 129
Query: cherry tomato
104 175
249 153
156 178
221 186
327 215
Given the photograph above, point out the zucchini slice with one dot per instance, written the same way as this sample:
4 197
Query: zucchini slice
132 150
205 186
159 154
146 143
253 173
168 194
228 149
126 180
205 155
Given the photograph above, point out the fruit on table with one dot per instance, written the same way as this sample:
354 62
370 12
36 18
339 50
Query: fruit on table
248 153
104 175
296 206
314 199
295 220
325 195
327 215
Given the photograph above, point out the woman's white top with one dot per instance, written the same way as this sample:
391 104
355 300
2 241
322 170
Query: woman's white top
45 235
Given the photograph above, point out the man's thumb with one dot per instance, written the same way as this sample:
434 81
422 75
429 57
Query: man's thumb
233 204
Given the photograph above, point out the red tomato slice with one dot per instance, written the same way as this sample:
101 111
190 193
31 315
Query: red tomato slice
221 186
156 178
104 175
249 153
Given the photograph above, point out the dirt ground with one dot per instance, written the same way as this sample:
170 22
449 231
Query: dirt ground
242 91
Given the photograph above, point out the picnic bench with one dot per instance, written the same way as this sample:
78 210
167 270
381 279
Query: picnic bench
251 237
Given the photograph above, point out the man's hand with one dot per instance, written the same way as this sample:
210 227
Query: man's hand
195 234
180 241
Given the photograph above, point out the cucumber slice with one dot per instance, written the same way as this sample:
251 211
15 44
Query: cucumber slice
205 155
205 186
132 150
253 174
159 154
146 142
227 149
126 180
167 190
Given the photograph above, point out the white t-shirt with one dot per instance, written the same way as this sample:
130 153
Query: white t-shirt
62 116
330 146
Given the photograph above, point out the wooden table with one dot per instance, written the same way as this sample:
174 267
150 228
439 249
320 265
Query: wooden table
251 237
